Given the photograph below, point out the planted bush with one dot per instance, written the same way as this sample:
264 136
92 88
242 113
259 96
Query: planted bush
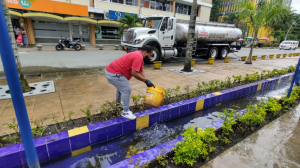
197 143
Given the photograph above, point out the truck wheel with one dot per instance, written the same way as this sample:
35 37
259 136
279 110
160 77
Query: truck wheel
213 52
223 53
155 56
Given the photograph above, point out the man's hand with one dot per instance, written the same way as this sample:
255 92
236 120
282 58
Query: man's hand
149 83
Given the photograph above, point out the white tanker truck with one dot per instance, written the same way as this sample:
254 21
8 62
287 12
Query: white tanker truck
168 36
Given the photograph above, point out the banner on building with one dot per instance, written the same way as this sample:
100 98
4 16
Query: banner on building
49 6
116 15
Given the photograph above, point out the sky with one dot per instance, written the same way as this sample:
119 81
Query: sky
296 5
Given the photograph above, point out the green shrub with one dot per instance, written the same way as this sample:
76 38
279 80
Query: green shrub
229 120
197 143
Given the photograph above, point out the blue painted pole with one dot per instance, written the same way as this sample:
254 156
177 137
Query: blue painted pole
294 78
15 89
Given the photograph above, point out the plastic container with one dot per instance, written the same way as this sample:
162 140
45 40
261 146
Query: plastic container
155 96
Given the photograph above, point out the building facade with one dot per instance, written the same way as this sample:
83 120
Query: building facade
230 6
92 21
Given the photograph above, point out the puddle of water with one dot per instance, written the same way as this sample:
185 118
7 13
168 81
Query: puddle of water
105 154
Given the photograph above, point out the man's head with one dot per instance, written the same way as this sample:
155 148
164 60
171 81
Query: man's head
147 50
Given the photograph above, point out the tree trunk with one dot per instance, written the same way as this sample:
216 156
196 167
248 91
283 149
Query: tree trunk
191 38
249 59
23 81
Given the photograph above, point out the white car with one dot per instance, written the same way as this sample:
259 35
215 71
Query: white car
289 45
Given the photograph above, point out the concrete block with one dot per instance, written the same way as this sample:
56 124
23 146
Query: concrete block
40 47
83 47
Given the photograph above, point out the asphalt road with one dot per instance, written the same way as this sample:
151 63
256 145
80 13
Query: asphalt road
51 61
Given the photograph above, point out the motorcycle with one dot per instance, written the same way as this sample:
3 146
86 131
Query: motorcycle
64 42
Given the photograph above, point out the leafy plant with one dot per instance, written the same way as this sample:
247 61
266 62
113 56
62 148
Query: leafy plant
197 143
229 120
237 79
14 126
255 115
136 100
38 127
70 115
11 138
162 159
272 105
87 112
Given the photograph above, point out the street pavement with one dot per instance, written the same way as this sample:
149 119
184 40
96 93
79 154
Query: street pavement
57 61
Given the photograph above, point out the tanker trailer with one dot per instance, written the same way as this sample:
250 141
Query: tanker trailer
168 36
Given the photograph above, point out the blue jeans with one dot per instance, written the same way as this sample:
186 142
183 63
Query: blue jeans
25 41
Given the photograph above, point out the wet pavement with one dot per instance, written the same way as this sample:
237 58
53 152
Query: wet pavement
276 145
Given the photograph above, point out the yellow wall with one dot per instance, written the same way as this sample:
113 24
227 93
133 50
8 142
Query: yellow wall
79 2
116 7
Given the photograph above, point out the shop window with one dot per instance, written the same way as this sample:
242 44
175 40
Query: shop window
131 2
110 32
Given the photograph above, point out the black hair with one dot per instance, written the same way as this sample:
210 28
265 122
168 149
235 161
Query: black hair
147 48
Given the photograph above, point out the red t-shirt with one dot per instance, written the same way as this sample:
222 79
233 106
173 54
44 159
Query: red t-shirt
124 64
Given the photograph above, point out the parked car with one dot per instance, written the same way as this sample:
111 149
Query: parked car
289 45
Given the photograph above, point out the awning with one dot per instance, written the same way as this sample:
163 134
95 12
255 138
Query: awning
79 20
43 16
249 38
110 23
14 13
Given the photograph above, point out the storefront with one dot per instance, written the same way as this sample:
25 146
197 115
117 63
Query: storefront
47 23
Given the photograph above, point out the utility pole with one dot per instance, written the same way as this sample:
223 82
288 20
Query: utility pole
290 29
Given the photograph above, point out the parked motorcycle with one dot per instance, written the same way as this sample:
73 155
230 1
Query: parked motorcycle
64 42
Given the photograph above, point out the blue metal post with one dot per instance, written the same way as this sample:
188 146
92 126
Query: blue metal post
294 78
15 89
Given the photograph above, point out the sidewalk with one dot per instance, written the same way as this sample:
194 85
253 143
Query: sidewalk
275 145
76 90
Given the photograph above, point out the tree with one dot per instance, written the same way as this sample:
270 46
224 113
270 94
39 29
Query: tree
191 38
258 16
23 81
279 35
128 21
214 12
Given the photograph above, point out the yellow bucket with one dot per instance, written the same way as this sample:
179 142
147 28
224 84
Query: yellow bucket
271 56
157 65
226 59
155 96
284 55
254 57
295 54
193 62
290 54
211 60
278 55
244 58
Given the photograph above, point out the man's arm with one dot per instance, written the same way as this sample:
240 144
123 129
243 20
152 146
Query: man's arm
143 74
138 75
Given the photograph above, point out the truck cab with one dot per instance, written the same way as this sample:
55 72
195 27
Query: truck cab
157 31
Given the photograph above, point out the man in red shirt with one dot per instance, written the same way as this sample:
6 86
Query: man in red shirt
120 71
